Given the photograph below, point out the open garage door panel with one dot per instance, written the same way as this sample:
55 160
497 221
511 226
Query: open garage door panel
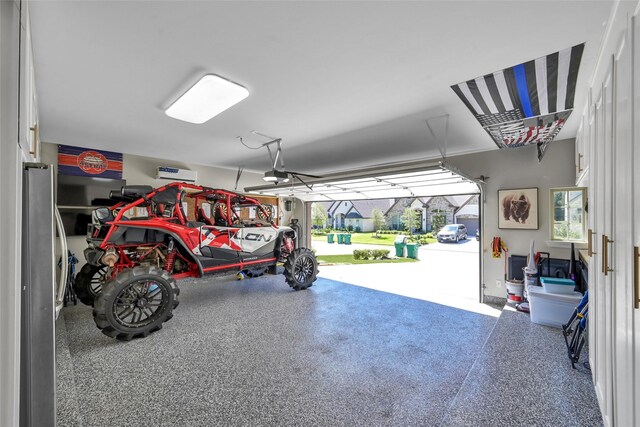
382 183
453 269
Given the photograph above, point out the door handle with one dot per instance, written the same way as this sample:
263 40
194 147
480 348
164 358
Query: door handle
34 129
590 234
636 278
580 156
605 254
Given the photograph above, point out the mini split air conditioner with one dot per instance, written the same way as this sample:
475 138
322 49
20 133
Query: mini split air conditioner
175 174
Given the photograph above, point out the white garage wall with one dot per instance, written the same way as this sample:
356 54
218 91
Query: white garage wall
518 168
142 170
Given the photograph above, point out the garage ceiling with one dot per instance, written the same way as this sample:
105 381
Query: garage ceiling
379 183
345 84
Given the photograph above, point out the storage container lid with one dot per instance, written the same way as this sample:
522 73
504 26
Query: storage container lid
538 292
557 281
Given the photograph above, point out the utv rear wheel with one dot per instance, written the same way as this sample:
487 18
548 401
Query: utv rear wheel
136 303
88 283
301 269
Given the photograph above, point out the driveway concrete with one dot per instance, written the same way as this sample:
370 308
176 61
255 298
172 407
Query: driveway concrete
469 245
446 273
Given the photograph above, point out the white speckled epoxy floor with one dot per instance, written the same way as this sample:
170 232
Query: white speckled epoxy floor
255 353
523 377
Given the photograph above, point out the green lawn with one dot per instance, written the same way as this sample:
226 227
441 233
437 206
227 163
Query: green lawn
368 239
348 259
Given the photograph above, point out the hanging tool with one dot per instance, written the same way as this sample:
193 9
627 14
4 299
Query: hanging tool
498 247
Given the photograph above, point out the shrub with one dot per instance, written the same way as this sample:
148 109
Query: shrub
421 240
370 253
361 253
429 236
380 253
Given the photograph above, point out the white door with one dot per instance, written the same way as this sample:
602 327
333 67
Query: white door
593 192
621 255
601 313
635 226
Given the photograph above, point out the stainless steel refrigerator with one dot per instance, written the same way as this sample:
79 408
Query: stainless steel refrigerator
37 373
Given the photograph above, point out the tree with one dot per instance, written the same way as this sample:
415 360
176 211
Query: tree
410 219
438 220
319 215
378 219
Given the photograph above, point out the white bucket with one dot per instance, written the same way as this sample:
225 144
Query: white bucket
515 291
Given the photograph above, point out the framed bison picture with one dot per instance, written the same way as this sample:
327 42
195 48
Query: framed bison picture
518 208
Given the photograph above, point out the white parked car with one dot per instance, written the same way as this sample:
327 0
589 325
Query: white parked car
452 233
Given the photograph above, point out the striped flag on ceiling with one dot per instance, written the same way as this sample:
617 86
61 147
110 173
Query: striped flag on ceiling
525 104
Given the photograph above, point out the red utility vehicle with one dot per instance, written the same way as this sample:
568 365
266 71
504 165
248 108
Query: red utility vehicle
149 238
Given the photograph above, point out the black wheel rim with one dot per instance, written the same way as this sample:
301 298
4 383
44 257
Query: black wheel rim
140 303
303 269
95 286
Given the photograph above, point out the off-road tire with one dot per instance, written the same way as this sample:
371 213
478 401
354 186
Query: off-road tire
136 292
301 269
88 283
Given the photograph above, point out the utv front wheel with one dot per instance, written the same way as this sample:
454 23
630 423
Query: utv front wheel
301 269
88 283
136 303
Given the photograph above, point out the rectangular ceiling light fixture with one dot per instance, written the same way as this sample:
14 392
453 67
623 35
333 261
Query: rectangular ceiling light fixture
210 96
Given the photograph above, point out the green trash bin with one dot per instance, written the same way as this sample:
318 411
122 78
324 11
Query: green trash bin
347 239
340 238
401 245
330 237
412 250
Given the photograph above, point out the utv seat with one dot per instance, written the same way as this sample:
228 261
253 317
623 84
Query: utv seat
218 216
203 218
183 214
